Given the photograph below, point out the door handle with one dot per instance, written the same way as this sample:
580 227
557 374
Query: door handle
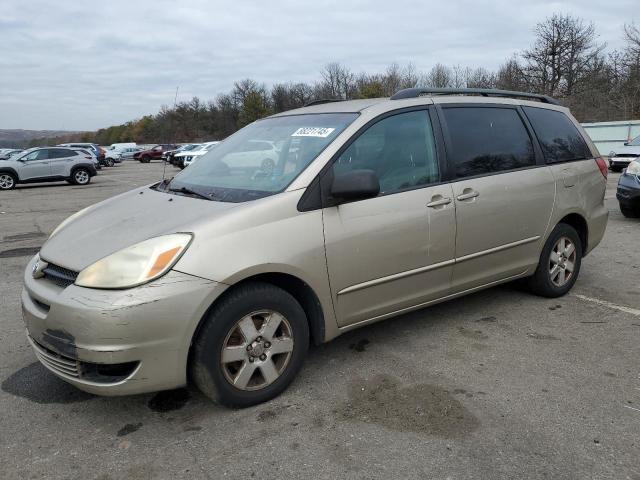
438 201
468 194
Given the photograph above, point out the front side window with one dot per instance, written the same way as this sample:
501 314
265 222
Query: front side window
400 149
41 154
248 165
485 140
558 136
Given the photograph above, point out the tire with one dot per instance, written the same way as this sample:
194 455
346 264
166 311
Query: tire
81 176
7 181
145 159
616 169
268 373
267 166
109 162
630 212
555 276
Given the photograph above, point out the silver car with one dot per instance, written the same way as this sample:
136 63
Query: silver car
224 275
48 164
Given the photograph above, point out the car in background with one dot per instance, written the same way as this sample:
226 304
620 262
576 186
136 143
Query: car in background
169 155
184 159
628 193
48 164
154 153
621 157
7 153
122 153
93 148
260 154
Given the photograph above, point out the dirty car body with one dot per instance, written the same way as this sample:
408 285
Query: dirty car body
334 242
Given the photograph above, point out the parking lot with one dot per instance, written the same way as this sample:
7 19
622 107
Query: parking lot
498 384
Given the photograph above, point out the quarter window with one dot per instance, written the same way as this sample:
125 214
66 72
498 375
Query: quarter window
486 140
559 138
400 149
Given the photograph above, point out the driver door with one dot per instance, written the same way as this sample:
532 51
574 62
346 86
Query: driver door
36 165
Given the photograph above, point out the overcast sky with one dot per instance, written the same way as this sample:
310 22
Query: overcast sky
76 65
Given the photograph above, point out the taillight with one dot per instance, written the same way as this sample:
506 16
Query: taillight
602 165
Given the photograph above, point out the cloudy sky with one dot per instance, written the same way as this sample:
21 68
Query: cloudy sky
76 65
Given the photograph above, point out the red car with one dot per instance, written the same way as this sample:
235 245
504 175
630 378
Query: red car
155 153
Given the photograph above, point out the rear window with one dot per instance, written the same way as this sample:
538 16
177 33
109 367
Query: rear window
559 138
485 140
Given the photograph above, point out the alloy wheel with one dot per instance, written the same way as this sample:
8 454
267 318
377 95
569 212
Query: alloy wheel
81 177
6 181
562 261
257 350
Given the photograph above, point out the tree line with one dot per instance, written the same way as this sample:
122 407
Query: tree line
565 61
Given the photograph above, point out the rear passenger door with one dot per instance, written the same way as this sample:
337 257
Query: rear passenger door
503 192
60 161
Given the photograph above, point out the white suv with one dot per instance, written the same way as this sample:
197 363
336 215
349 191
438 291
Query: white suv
48 164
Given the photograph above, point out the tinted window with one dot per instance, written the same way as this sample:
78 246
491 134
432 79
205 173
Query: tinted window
37 155
400 149
487 140
558 136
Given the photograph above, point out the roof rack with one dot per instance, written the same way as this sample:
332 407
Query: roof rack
485 92
323 100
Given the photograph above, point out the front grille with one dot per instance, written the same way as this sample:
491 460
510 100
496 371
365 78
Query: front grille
627 155
59 363
62 277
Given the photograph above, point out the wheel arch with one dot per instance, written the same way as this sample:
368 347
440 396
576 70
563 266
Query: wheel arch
579 223
11 171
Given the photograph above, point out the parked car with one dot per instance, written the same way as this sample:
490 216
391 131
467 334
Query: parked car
376 207
7 153
47 164
93 148
119 154
168 156
621 158
154 153
628 193
190 157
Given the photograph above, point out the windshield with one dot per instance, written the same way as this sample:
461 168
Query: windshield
635 142
185 148
261 159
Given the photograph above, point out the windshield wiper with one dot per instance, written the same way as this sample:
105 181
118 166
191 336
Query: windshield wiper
188 191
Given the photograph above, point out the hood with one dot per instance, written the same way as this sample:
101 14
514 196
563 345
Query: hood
125 220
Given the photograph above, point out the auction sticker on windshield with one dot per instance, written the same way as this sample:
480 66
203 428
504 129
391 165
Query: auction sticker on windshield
322 132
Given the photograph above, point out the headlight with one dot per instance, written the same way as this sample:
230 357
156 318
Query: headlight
612 153
633 168
135 265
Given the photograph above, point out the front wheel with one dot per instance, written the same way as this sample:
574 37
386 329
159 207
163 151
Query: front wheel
251 346
81 176
559 263
110 162
7 181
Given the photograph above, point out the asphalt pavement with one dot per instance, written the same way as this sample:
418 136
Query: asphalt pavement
496 385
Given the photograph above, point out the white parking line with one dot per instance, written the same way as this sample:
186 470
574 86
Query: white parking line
604 303
632 408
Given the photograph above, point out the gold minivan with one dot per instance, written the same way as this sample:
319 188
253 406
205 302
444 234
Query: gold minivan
224 274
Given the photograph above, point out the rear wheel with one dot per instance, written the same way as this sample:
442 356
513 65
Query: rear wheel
251 346
559 263
110 162
630 212
7 181
81 176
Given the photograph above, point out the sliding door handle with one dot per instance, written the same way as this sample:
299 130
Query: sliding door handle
438 201
467 194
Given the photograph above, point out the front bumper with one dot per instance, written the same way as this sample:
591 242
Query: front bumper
117 342
628 193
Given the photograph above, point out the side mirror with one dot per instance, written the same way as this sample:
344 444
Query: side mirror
355 185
